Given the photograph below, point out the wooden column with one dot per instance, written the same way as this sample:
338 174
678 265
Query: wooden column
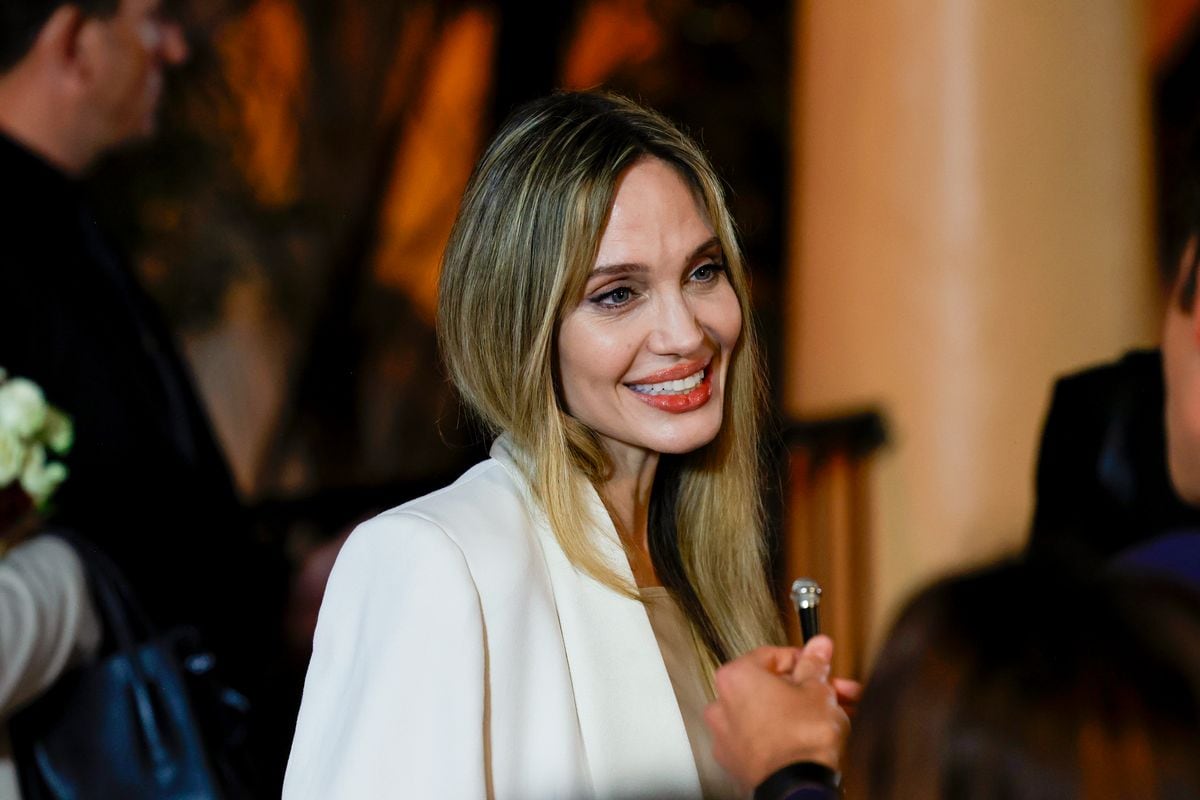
970 219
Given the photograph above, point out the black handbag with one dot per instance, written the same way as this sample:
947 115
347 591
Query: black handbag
148 721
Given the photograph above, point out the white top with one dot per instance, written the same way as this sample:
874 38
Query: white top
47 624
458 654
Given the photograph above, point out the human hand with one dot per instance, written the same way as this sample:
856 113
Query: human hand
848 694
775 706
787 662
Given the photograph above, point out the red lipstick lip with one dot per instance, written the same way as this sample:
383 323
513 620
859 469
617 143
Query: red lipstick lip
672 373
680 403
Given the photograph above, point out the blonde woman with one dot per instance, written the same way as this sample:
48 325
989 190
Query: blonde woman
548 625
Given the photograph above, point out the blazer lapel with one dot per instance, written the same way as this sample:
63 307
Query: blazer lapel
633 734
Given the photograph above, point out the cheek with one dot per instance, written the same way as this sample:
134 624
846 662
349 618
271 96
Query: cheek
1182 375
726 319
594 357
580 361
137 61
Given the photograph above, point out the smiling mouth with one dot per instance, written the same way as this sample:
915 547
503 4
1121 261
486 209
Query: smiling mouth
681 386
676 396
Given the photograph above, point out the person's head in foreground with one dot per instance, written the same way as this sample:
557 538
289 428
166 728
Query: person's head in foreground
1018 682
594 306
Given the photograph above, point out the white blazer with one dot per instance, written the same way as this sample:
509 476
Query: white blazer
458 654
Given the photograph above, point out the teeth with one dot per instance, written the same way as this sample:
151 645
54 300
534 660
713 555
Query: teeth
670 387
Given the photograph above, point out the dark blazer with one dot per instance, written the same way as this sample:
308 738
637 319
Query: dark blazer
147 481
1102 480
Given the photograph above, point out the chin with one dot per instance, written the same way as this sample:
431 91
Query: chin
1182 423
132 138
676 449
148 128
1185 477
687 440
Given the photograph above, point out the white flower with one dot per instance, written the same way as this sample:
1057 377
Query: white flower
12 457
58 432
39 479
22 407
28 424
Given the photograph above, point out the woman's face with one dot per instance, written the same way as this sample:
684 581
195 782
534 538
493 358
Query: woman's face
644 355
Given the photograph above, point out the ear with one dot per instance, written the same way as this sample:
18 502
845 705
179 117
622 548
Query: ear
58 43
1189 279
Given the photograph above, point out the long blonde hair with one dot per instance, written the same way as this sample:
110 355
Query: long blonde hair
522 246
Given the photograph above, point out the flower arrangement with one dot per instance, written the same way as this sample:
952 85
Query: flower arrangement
31 431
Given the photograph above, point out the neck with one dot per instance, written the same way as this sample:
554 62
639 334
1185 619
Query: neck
626 495
31 115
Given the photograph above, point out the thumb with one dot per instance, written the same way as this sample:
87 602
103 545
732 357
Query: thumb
814 660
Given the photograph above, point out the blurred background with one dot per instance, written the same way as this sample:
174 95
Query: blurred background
945 204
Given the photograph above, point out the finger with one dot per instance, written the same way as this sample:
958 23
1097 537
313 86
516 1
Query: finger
848 691
751 669
780 660
717 721
814 660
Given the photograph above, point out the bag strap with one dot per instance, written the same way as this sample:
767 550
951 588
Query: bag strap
117 605
116 602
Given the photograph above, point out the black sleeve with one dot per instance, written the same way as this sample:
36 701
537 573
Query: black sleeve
1065 483
1102 482
803 780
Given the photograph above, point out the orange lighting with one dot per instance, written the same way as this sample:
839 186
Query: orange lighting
435 158
611 34
264 58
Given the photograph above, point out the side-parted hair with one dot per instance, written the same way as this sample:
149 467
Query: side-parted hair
518 258
22 20
1022 681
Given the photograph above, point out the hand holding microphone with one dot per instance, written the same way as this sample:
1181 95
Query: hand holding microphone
806 597
777 706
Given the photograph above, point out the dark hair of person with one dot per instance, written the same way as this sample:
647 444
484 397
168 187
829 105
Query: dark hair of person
22 20
667 560
1018 682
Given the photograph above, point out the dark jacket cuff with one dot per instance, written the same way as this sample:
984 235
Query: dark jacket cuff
803 780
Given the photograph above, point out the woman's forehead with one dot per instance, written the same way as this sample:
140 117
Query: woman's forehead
653 209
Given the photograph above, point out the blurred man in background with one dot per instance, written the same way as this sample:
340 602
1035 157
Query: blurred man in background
148 483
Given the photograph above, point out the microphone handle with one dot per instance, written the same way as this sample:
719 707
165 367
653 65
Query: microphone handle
810 623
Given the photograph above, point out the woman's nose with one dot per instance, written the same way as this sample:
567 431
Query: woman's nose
677 331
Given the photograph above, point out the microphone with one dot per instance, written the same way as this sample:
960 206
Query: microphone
806 597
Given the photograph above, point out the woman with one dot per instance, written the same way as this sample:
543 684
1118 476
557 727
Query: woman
1024 682
547 626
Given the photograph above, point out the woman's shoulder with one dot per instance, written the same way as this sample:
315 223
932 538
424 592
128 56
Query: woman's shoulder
485 512
489 494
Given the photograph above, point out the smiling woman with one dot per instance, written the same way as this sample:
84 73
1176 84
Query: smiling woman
548 625
656 327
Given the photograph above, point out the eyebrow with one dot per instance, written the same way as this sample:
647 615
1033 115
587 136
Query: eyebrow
634 267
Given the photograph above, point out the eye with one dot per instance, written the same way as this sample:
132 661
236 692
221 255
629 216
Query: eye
613 298
707 273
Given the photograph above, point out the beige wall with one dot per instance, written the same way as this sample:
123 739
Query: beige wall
971 217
